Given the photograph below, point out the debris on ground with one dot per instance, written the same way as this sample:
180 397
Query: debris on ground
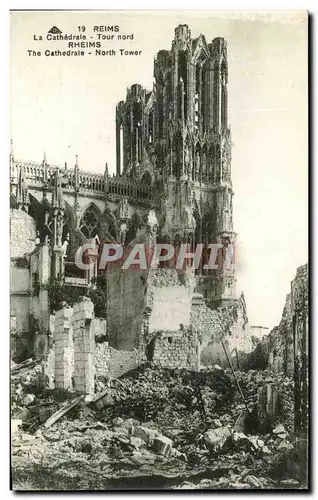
148 430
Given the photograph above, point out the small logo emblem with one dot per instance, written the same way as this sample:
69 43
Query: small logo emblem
55 31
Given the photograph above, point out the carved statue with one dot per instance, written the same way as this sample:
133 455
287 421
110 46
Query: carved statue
59 230
186 162
225 165
197 166
152 222
65 245
204 166
124 209
123 232
77 215
57 191
217 163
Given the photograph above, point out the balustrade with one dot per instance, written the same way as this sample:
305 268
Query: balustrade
87 181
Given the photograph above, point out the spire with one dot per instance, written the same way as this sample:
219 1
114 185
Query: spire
45 168
11 149
23 194
13 173
106 178
76 173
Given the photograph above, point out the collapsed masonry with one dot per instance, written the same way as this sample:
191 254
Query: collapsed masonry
155 313
178 333
289 340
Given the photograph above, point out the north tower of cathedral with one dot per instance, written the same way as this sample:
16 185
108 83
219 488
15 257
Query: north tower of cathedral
176 138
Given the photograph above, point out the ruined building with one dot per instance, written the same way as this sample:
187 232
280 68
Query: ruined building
172 184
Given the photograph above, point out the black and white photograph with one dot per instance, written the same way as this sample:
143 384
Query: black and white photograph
159 311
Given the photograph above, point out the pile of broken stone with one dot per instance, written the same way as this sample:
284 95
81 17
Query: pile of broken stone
149 430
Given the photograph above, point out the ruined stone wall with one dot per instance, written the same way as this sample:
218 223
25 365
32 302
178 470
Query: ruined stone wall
169 300
99 326
279 345
79 351
168 339
20 301
64 349
22 233
228 323
259 331
179 349
102 356
30 270
22 242
84 346
125 305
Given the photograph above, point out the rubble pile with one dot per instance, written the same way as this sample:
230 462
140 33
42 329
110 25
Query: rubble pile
173 397
153 429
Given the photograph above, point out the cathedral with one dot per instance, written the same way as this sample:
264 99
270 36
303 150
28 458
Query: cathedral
172 184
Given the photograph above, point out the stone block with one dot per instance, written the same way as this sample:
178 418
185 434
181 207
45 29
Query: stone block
58 352
148 435
58 322
66 342
79 365
162 445
216 438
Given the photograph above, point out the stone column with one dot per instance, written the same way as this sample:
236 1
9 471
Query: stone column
84 346
63 349
44 277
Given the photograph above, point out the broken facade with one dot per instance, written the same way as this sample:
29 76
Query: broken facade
289 340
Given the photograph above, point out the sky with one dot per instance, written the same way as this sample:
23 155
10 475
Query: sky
66 107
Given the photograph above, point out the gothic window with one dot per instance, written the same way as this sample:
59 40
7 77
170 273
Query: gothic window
223 95
204 165
178 154
90 225
200 92
204 95
211 163
215 95
134 225
128 136
183 82
121 147
197 164
150 127
137 132
146 179
217 163
160 110
169 92
197 96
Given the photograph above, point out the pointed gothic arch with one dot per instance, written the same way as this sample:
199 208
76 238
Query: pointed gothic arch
146 179
204 163
90 221
109 226
134 224
197 162
177 146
